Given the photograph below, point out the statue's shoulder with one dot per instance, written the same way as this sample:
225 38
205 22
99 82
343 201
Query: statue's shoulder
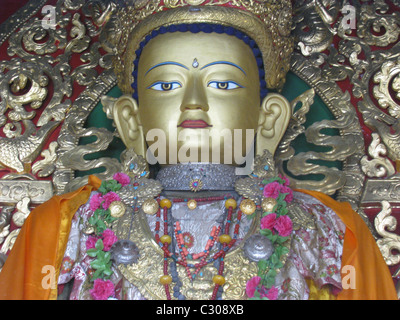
306 211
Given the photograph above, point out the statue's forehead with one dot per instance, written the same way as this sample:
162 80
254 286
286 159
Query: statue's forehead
206 48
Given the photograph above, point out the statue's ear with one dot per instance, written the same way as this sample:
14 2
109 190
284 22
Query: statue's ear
273 120
126 118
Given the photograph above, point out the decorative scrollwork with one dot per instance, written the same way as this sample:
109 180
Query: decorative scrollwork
389 74
378 166
390 241
22 213
39 78
46 167
372 21
320 15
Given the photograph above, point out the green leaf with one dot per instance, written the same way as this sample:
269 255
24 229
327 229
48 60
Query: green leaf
270 281
274 259
281 240
99 212
271 273
281 181
266 232
101 256
262 264
109 185
97 274
273 237
108 218
251 216
102 189
96 264
107 257
99 245
284 210
281 198
107 272
101 226
284 250
92 252
92 220
269 212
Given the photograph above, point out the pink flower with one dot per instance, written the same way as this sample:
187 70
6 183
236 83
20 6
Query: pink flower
91 242
102 289
289 196
109 238
272 189
251 286
284 226
287 182
272 293
122 178
269 221
95 201
109 198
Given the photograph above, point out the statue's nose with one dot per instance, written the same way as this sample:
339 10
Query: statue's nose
195 97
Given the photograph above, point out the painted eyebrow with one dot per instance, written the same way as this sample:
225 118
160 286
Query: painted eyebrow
167 63
223 62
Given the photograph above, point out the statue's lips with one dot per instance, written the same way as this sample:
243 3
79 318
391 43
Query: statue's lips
194 124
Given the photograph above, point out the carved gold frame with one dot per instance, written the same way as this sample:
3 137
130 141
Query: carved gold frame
373 77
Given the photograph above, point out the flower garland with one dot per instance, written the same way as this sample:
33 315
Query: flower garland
276 226
99 244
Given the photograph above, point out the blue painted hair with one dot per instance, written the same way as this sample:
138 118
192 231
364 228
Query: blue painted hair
206 28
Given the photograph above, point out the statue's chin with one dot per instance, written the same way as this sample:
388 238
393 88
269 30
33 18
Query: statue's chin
198 162
196 154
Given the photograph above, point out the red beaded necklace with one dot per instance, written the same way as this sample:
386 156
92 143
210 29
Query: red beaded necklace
226 241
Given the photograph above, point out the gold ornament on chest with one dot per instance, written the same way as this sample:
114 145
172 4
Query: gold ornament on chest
146 273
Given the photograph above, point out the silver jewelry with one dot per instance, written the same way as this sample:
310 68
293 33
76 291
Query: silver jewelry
198 176
257 248
125 252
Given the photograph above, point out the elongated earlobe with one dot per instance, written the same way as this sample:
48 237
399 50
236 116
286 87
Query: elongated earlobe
126 119
273 120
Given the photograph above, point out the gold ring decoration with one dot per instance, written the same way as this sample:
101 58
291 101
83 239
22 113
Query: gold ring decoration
117 209
150 206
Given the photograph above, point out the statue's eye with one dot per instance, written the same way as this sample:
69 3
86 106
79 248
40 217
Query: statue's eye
165 86
224 85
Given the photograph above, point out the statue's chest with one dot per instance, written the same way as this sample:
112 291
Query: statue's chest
189 279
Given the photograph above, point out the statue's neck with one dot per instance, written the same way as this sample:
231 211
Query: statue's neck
198 177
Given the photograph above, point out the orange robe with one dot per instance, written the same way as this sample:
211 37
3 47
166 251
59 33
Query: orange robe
44 236
40 246
373 280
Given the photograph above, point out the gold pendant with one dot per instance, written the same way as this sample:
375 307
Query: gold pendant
117 209
247 206
150 206
195 185
192 204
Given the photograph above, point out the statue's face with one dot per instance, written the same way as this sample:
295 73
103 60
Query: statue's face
198 88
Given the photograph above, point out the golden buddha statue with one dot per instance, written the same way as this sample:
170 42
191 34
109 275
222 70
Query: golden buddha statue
195 76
